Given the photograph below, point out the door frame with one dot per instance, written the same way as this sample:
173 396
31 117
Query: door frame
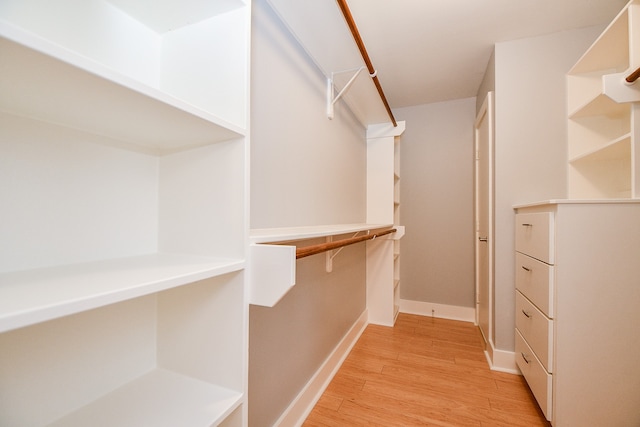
486 112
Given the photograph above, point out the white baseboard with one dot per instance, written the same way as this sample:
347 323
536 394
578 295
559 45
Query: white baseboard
466 314
501 360
304 402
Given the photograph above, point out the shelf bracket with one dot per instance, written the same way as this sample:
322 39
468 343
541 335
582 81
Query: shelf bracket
619 89
330 255
331 99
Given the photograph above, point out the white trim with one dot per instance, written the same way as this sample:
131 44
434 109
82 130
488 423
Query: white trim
466 314
501 360
304 402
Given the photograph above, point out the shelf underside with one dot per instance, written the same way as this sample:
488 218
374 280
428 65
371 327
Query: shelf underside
29 297
159 398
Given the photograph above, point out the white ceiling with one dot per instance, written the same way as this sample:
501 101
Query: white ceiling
435 50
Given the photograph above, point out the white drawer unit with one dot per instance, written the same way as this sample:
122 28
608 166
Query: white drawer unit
577 294
536 329
534 236
539 380
535 279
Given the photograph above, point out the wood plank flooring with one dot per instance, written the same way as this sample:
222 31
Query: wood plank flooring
424 372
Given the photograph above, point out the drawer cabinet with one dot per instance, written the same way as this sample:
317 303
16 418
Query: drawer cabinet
577 291
535 254
535 279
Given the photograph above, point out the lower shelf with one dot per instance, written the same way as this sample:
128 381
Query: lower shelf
159 398
29 297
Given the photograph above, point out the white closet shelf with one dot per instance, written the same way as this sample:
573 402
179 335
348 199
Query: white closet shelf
287 234
33 296
47 82
616 149
601 105
160 398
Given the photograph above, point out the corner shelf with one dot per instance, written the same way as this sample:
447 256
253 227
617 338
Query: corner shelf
603 134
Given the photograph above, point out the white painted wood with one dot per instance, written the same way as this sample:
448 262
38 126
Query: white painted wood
380 180
140 59
183 400
534 236
539 380
380 282
483 216
383 205
124 177
536 329
105 104
272 273
286 234
536 279
597 246
602 136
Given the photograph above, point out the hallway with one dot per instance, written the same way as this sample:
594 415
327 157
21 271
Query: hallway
424 372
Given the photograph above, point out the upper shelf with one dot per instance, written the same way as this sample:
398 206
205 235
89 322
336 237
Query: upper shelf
333 51
271 235
107 73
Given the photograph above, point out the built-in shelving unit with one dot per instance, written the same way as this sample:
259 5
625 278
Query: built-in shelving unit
383 205
603 114
122 165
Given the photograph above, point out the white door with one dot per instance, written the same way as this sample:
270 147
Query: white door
483 207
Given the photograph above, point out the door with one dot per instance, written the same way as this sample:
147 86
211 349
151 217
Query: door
483 207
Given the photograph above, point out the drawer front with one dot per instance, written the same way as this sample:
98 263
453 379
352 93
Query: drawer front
535 280
540 381
536 329
534 235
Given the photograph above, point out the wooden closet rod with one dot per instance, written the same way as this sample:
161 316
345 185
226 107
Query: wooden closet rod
365 56
324 247
631 78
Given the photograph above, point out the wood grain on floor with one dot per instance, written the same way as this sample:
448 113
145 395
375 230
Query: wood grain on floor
424 372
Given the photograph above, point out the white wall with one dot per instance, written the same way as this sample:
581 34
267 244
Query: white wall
305 170
530 144
436 196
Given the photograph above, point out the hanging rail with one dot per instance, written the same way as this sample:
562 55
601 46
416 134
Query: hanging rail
323 247
365 56
631 78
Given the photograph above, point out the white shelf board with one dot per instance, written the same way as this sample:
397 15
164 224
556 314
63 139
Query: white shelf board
159 398
267 235
619 148
47 82
323 32
33 296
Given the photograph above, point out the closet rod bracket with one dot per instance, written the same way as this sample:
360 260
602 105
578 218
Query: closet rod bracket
619 89
331 99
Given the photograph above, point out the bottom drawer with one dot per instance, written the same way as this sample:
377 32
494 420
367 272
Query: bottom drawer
536 375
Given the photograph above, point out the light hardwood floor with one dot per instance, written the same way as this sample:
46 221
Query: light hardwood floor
424 372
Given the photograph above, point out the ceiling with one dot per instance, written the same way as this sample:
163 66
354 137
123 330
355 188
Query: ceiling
427 51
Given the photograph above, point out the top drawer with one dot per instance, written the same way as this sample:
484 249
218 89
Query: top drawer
534 235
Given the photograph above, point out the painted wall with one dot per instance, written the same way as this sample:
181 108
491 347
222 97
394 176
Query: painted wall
305 170
436 195
530 144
